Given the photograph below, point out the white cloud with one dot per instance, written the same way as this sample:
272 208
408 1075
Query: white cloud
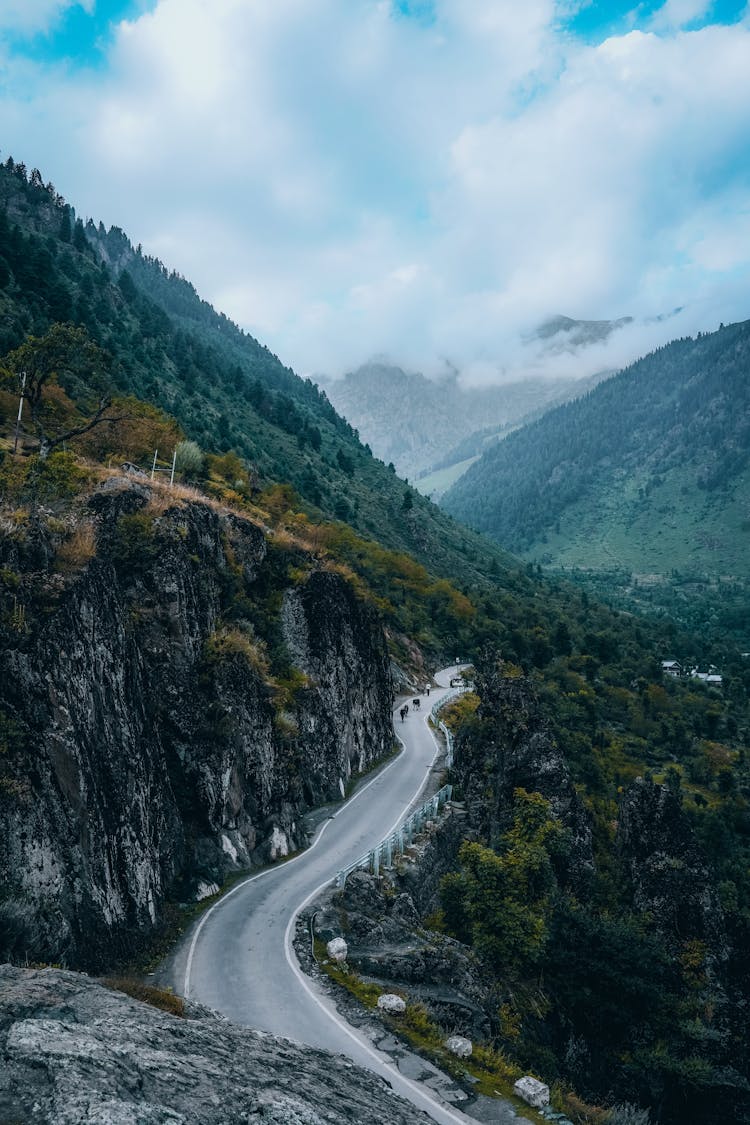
28 16
679 13
343 183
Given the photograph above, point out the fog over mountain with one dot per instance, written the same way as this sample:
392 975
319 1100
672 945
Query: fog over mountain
442 419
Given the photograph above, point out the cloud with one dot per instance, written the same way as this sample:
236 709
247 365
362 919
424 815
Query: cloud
680 13
345 180
32 16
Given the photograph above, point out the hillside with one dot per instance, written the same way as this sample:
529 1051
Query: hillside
423 424
649 471
226 390
186 669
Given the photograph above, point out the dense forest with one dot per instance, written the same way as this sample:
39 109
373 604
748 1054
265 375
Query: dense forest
111 329
648 471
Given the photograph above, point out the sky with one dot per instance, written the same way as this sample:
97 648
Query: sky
426 180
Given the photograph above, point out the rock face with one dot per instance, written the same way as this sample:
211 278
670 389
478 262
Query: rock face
150 744
72 1051
515 748
667 871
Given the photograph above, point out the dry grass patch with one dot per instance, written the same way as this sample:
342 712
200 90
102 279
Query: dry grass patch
78 549
162 998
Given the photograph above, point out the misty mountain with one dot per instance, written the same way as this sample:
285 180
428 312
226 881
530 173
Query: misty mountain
649 470
416 422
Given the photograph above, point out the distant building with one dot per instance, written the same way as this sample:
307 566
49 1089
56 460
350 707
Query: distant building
671 668
710 677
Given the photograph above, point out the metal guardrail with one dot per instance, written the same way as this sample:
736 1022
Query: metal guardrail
383 854
435 712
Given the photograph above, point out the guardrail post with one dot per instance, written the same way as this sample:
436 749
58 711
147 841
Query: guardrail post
376 860
388 861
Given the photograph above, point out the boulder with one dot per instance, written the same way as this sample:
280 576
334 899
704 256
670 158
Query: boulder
532 1091
389 1002
337 949
459 1045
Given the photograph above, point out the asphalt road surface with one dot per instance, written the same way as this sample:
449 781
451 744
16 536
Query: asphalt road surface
238 958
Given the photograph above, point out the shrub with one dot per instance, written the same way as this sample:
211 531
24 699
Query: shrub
189 459
226 644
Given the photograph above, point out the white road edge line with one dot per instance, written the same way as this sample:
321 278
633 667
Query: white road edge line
384 1065
314 844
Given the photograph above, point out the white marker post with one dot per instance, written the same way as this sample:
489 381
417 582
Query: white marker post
174 462
153 467
20 409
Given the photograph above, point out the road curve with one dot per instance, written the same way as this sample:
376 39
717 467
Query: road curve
238 958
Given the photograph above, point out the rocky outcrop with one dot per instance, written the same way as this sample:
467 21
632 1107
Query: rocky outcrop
513 747
72 1050
387 944
667 872
168 711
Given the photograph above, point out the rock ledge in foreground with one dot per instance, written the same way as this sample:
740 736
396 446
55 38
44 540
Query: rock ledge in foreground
71 1050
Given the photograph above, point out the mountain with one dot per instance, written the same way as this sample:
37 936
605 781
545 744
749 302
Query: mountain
649 471
565 332
187 668
226 390
416 423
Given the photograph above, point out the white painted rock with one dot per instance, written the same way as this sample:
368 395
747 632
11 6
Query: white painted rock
337 949
532 1091
389 1002
458 1045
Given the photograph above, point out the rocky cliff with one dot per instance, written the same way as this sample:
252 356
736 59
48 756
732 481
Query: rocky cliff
511 746
175 689
74 1051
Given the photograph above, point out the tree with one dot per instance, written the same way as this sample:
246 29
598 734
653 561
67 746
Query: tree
68 352
504 901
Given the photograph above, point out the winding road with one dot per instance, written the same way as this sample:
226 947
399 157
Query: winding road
238 958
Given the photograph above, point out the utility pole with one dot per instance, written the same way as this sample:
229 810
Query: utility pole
20 409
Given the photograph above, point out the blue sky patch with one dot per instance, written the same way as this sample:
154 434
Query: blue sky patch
595 22
78 37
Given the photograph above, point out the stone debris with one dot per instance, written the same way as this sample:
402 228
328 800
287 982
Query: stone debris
459 1045
389 1002
532 1091
337 949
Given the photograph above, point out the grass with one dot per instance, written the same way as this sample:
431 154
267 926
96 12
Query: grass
162 998
492 1072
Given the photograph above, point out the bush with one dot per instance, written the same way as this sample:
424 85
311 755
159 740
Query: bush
189 459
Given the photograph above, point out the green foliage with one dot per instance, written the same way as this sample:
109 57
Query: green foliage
503 902
133 544
648 469
225 390
189 459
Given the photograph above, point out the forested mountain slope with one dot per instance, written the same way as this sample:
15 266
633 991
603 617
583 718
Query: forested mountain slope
226 390
650 470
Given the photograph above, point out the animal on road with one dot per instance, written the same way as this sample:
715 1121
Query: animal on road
416 704
404 711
